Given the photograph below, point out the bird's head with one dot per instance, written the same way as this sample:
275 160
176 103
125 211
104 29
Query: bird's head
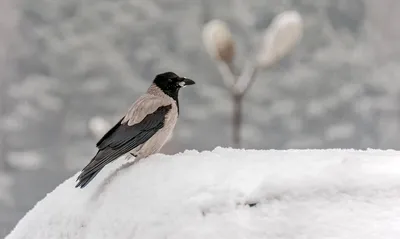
170 83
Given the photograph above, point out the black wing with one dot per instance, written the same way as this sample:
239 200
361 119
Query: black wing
121 139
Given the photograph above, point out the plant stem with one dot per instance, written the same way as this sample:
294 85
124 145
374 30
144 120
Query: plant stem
237 119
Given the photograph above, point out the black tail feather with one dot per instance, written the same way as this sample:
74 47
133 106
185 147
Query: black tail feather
86 176
99 161
84 179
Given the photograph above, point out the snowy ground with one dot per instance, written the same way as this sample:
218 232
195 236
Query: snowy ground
231 194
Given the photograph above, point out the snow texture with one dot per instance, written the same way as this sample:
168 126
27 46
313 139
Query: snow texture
228 193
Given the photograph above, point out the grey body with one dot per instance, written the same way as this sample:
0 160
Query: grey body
143 130
148 103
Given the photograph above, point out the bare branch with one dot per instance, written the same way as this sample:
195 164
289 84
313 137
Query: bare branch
234 70
228 77
246 79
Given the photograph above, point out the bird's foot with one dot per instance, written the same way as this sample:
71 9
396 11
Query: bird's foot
137 159
130 155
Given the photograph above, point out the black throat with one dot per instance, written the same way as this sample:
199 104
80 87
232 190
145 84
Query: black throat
174 96
172 92
169 83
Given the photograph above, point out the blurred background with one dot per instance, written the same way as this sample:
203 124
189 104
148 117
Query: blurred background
64 63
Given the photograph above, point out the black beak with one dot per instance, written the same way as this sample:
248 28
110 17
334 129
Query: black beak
186 81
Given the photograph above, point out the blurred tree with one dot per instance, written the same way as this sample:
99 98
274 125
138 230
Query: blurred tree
279 39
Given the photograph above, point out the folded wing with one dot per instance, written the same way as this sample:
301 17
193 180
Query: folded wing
123 138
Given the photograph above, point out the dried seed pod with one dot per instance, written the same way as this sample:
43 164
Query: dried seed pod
218 41
280 38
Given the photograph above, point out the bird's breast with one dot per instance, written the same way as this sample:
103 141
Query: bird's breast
157 141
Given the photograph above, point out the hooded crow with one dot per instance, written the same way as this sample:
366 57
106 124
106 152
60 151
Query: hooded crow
144 129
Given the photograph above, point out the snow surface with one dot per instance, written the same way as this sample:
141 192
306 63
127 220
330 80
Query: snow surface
293 194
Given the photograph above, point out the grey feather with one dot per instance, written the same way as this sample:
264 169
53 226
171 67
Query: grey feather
121 139
144 105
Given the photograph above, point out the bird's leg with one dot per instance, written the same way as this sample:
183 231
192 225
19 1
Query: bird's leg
137 159
130 155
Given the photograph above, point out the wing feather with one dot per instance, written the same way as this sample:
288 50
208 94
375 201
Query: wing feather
122 138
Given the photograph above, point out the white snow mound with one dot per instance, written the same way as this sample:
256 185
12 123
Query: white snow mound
229 193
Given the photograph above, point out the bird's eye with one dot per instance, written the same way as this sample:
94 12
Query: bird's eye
169 80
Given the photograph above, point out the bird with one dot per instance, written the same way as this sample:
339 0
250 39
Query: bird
143 130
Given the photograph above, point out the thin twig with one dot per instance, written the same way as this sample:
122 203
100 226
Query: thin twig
234 70
246 79
228 77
